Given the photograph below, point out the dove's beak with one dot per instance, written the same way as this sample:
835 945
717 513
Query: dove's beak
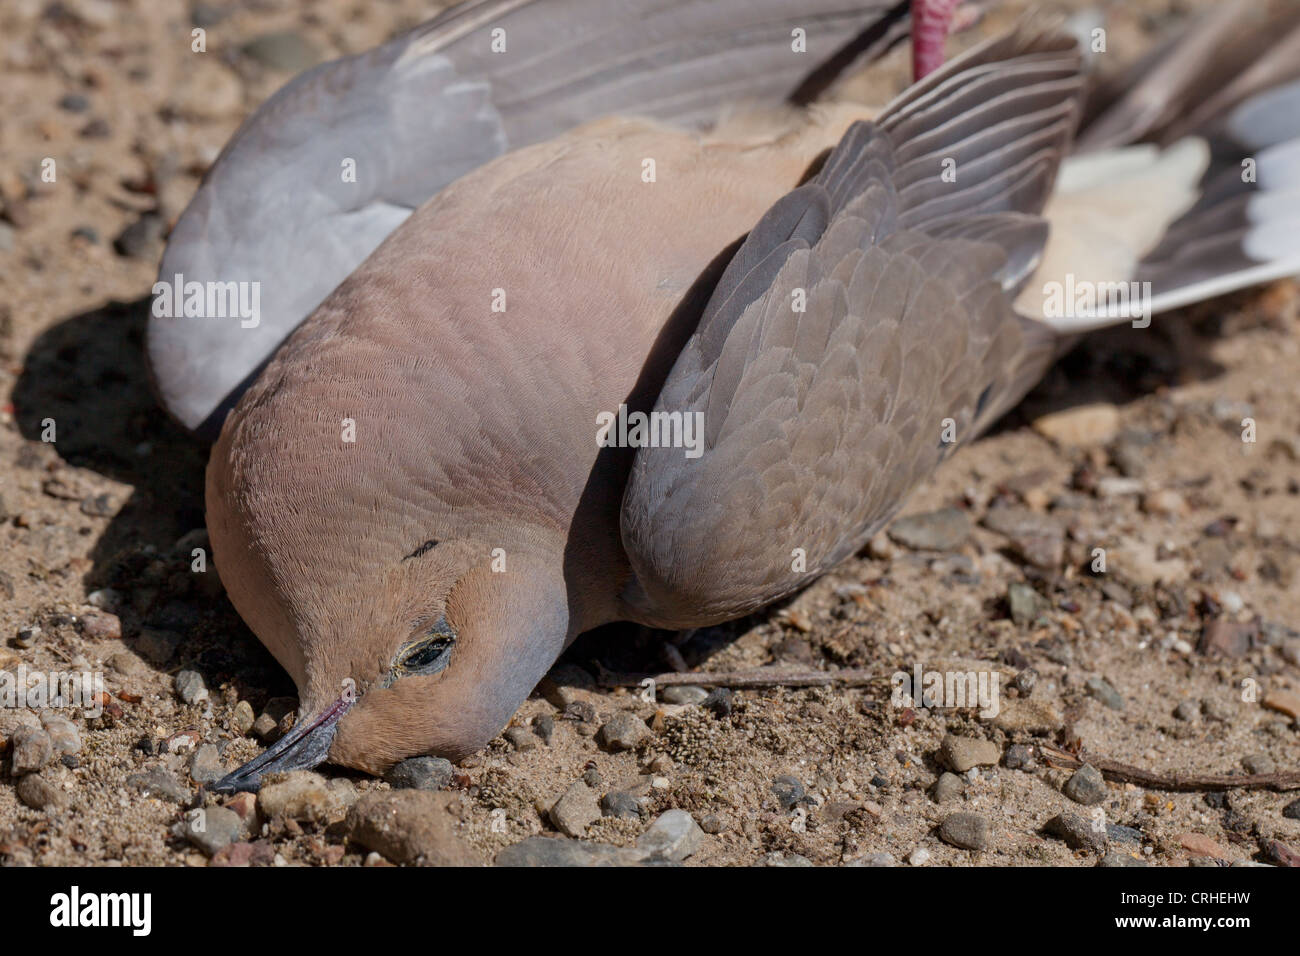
302 748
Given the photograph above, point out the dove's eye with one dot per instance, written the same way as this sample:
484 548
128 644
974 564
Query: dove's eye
430 654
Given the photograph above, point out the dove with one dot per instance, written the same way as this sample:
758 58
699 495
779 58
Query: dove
420 501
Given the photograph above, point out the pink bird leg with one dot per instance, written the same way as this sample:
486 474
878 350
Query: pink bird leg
931 20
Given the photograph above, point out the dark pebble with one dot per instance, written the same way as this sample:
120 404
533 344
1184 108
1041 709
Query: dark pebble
788 791
420 773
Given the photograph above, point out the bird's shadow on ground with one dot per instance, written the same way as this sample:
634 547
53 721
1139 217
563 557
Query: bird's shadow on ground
86 376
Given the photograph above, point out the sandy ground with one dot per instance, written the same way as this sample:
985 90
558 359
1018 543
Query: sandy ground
1201 532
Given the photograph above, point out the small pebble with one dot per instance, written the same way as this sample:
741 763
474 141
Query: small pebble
674 836
623 731
943 530
1079 833
621 805
962 753
684 694
1102 690
1086 785
190 687
39 794
919 857
544 727
64 736
420 773
212 828
31 749
576 810
948 788
205 765
521 738
970 831
242 718
788 791
1018 757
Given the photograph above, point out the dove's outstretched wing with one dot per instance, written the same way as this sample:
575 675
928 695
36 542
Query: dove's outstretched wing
861 331
338 158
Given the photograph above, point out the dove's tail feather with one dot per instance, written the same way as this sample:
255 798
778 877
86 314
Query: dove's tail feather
1194 194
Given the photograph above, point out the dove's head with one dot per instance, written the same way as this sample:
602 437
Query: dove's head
409 628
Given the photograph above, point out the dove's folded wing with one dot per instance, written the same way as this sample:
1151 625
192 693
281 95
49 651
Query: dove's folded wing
861 331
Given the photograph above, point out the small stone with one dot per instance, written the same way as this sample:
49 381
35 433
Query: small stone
874 859
711 823
674 836
559 851
962 753
1078 833
1102 690
1081 427
27 635
1258 763
98 506
544 727
1188 710
139 240
1018 757
592 778
1122 834
205 765
1226 638
303 795
919 857
31 749
662 764
943 530
157 782
1028 716
106 599
1039 540
157 646
784 859
1086 785
576 809
100 626
1165 503
970 831
521 738
621 805
1026 604
788 791
1284 702
1200 845
684 694
63 733
410 827
242 718
947 788
244 805
212 828
1292 810
74 103
271 723
39 794
190 687
420 773
719 702
623 731
1115 858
